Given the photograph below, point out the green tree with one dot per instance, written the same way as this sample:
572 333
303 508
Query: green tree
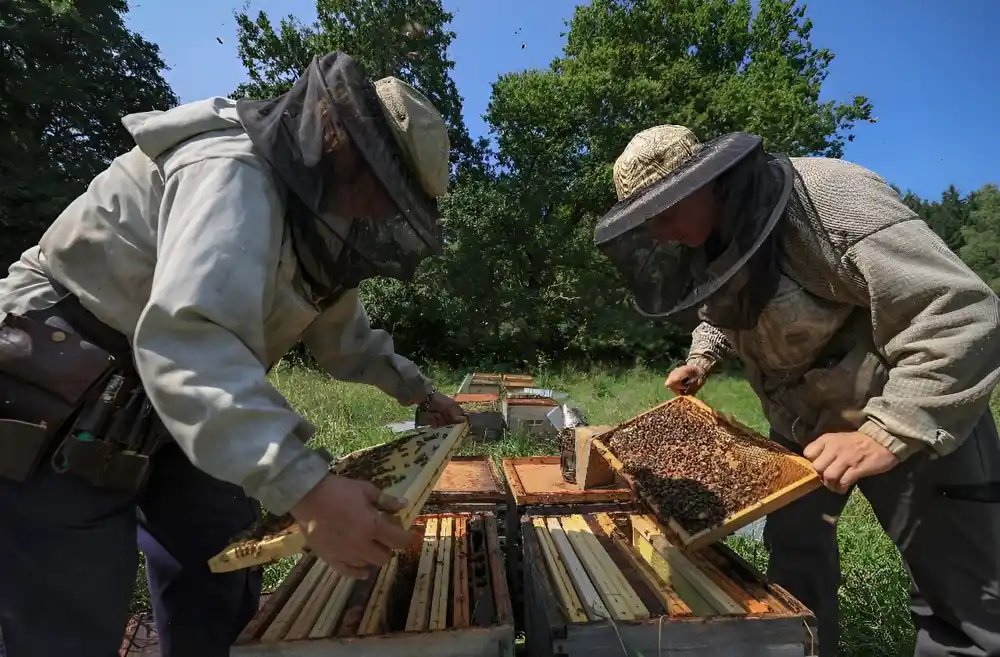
628 65
407 39
70 71
981 236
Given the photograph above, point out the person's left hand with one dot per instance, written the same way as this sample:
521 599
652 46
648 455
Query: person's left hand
444 411
842 459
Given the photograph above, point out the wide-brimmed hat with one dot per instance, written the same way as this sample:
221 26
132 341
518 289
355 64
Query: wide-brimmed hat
419 131
401 137
660 167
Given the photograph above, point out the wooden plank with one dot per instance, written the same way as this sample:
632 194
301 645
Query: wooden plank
375 612
330 614
357 602
622 602
671 601
665 572
498 572
735 568
589 597
416 618
270 610
314 606
715 596
460 597
277 630
631 596
560 576
442 577
733 589
592 471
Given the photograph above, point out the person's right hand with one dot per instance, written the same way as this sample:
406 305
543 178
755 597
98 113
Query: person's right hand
344 525
686 380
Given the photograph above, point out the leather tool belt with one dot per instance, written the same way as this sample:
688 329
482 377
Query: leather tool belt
74 398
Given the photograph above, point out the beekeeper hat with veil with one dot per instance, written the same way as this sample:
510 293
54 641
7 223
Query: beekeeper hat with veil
729 278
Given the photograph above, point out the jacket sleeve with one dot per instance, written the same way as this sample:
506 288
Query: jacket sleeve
709 347
344 343
935 322
199 343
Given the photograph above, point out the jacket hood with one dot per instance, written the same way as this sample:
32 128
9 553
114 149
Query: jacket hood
157 132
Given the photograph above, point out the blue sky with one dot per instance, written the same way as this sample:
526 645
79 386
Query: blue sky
931 69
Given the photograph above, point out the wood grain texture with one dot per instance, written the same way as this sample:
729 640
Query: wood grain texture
442 577
680 563
564 588
589 596
460 572
279 627
303 625
416 618
270 610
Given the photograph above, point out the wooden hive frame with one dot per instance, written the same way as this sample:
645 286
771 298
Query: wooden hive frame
446 595
615 583
799 477
419 459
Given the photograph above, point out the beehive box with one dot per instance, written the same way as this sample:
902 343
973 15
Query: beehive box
490 424
446 596
473 484
702 473
614 584
483 382
529 414
408 468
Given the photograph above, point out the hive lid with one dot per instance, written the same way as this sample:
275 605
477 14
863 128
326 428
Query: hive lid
538 480
469 479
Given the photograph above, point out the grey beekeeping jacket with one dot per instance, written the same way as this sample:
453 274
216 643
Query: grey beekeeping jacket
873 314
181 246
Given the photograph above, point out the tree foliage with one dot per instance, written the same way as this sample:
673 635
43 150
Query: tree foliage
407 39
522 279
70 71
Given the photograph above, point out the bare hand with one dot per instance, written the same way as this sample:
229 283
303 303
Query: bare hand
444 411
686 380
842 459
343 522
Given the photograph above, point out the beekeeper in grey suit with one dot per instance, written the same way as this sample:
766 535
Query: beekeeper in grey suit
136 339
872 347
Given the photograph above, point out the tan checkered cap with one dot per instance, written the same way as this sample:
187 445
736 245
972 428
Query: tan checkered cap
651 155
420 132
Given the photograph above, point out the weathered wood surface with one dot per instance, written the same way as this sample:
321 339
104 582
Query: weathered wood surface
473 642
729 610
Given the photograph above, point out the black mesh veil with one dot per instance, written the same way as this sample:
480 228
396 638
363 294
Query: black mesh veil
681 283
293 132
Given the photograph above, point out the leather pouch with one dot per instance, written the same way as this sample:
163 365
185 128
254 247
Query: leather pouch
46 374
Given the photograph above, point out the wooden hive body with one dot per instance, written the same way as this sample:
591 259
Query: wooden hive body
793 475
615 584
446 595
407 468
